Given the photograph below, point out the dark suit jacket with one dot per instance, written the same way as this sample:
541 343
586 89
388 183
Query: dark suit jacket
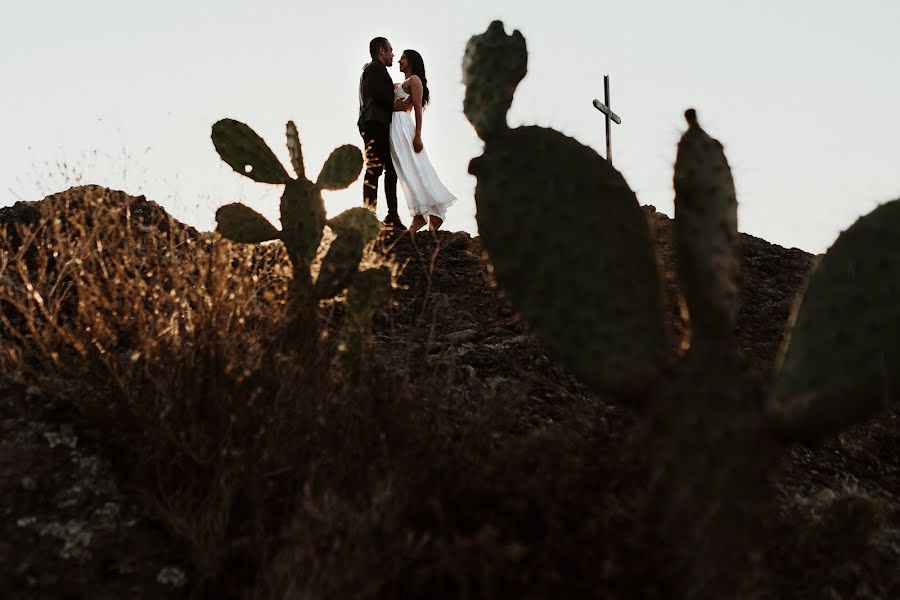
376 94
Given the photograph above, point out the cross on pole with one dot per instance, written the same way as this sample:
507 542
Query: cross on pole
610 115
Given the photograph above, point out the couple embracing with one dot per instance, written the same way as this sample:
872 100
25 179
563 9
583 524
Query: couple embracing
393 138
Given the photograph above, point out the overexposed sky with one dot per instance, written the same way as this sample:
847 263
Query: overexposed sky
804 95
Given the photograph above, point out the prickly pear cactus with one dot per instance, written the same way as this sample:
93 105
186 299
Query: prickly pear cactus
572 250
841 360
354 228
493 66
302 208
566 237
302 221
247 153
708 459
240 223
706 233
295 149
302 217
370 289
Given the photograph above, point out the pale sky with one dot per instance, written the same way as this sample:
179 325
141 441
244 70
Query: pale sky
804 95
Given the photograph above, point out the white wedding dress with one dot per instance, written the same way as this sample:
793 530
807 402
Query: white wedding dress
424 192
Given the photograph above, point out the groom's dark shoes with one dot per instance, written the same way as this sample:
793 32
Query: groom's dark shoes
393 220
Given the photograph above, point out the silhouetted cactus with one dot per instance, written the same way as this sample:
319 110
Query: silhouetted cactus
302 216
706 233
573 251
841 359
354 228
493 66
550 211
369 290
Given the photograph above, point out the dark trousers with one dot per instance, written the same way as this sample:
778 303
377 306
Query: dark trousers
378 158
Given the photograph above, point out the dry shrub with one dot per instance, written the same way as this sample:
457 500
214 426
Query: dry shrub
163 338
282 476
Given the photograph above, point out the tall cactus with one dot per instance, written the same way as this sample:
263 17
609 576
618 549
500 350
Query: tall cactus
302 217
706 233
566 236
572 250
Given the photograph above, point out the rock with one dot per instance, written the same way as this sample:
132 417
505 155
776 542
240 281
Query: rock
468 375
173 576
459 240
461 337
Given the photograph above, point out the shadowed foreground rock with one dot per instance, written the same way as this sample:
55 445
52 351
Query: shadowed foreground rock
68 527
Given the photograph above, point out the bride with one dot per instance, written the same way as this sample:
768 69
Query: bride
425 194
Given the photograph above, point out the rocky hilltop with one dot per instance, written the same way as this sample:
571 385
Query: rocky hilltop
73 525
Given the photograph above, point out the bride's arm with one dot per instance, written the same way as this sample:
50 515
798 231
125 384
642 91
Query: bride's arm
415 85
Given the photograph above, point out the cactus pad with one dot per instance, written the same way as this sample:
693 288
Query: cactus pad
340 263
247 153
240 223
341 169
302 220
842 359
355 228
706 233
295 149
369 290
493 65
572 249
358 219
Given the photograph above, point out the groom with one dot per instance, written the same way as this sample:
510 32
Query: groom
376 108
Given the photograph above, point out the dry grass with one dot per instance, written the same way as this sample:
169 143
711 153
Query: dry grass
164 338
279 476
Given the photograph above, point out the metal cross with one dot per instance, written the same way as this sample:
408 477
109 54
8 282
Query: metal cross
610 115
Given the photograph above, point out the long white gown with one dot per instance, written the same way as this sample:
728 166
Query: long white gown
423 190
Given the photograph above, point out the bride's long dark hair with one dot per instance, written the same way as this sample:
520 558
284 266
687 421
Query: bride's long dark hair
417 65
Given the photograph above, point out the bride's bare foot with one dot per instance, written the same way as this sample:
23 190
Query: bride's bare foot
418 223
434 222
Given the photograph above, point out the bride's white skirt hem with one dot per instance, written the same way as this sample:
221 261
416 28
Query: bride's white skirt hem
425 194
